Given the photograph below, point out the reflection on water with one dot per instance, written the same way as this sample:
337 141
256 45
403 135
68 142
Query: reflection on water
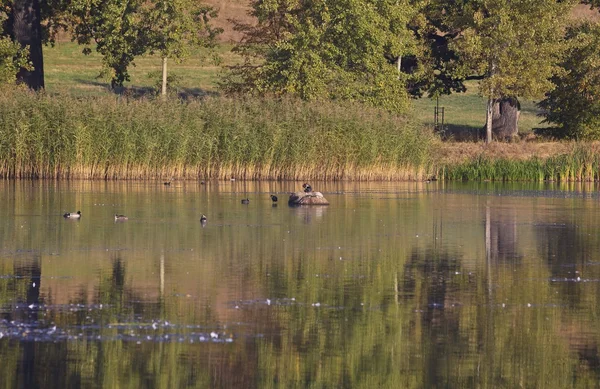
392 285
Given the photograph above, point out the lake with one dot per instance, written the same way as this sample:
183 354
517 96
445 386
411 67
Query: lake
393 285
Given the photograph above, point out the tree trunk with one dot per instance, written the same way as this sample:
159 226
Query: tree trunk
163 90
505 118
489 120
27 30
502 118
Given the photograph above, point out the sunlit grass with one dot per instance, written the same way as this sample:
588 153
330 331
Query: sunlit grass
464 113
69 71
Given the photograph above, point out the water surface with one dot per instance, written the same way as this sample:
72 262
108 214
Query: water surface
394 285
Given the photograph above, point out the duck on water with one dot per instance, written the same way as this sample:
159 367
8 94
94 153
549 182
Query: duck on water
72 215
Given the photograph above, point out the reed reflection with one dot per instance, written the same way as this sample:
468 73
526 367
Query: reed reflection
402 288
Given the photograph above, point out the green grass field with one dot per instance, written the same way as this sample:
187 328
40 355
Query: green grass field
464 113
68 71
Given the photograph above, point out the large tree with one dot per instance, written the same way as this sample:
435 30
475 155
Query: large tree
511 46
115 27
574 105
12 56
23 25
339 49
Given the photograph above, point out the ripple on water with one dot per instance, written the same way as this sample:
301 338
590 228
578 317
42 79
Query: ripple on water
153 332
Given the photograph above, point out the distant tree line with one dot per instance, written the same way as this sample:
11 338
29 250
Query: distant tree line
379 52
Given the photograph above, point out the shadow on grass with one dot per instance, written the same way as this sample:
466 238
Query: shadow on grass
531 109
148 92
461 133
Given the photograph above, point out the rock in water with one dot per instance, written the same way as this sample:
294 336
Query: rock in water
307 198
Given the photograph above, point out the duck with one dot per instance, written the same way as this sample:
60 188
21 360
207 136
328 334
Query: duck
274 198
72 215
167 183
245 201
307 188
203 219
121 218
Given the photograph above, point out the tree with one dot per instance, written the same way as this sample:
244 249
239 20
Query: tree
173 27
338 49
115 27
23 25
574 104
512 46
12 56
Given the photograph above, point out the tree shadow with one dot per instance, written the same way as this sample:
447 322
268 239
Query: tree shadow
460 133
149 92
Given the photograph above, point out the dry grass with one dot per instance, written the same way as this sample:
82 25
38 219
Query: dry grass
228 10
584 12
454 153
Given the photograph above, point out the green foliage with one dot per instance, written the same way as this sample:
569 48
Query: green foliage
574 105
172 27
114 26
43 136
338 49
12 57
123 31
513 44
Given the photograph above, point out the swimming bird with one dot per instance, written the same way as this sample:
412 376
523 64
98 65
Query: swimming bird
245 201
307 187
119 218
72 215
167 183
274 198
203 219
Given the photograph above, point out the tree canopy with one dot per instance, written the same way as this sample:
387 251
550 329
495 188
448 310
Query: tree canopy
338 49
12 56
574 104
512 47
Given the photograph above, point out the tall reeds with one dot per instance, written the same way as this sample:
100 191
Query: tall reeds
110 137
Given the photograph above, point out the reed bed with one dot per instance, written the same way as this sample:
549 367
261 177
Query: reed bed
581 164
111 137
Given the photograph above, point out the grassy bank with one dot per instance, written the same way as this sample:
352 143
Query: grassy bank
111 137
580 163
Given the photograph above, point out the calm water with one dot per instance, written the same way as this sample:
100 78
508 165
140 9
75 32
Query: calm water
393 286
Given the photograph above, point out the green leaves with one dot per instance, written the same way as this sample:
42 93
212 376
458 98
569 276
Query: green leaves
114 26
12 57
338 49
172 27
574 105
515 45
123 30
